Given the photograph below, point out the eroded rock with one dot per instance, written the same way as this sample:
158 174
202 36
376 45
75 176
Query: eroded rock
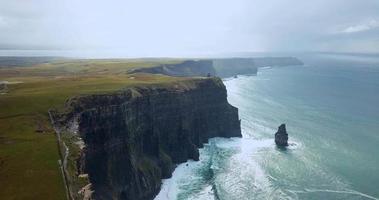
281 136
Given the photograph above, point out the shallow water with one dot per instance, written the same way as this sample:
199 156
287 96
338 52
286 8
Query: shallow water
330 106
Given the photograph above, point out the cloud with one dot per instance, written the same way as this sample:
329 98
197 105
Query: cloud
372 24
196 27
3 22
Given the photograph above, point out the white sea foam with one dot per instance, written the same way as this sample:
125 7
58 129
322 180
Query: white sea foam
292 145
353 192
254 168
232 179
170 187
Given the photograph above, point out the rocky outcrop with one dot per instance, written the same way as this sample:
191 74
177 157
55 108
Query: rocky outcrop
281 136
189 68
133 138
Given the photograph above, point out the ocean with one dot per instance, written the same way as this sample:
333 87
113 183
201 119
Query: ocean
331 109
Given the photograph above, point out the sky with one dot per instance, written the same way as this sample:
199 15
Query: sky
190 27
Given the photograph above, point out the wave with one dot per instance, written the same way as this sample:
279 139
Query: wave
253 167
353 192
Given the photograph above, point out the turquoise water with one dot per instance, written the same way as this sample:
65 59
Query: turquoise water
331 108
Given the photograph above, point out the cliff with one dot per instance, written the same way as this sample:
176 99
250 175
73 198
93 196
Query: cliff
276 61
120 145
223 67
188 68
229 67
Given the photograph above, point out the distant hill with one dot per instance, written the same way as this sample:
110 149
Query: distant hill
187 68
276 61
223 67
10 61
229 67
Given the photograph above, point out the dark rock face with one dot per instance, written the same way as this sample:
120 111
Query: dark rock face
187 68
135 137
281 136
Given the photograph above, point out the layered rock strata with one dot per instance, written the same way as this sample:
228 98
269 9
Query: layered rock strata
130 140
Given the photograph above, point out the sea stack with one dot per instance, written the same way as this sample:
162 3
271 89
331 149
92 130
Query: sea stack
281 136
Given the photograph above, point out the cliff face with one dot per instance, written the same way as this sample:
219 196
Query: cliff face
277 61
189 68
133 139
223 67
234 66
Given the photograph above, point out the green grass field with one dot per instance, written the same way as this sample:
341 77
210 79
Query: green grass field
28 148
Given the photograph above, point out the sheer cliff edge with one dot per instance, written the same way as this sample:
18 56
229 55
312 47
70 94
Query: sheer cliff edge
120 145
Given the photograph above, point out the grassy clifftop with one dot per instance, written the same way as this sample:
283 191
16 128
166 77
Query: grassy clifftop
28 148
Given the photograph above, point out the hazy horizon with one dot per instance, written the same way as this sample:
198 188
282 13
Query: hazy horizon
169 28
